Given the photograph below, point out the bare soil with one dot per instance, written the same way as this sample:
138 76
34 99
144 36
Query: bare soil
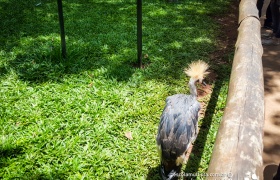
226 38
226 41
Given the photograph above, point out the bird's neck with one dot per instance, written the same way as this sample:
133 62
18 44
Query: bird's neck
192 87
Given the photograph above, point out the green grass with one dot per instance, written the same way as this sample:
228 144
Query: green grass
66 119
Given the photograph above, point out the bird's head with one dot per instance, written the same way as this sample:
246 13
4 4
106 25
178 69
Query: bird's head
201 79
197 71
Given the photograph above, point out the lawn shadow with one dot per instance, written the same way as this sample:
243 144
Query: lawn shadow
7 156
153 173
35 39
194 161
44 176
9 153
222 66
22 19
33 33
40 70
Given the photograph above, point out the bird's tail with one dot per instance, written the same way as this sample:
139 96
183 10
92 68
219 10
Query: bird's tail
197 70
169 170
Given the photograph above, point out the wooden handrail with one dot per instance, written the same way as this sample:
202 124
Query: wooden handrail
238 148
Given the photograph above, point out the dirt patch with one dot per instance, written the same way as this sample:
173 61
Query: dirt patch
228 36
226 42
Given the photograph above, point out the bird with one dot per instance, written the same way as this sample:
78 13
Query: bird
178 127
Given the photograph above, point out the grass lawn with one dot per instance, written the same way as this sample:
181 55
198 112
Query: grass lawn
66 119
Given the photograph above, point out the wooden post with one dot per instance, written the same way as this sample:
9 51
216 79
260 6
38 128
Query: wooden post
62 32
238 148
139 32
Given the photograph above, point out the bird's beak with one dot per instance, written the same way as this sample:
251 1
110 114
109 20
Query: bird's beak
204 83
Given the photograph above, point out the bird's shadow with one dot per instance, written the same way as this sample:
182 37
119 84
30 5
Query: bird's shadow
223 69
195 158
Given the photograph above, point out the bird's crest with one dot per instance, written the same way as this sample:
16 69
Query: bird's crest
197 70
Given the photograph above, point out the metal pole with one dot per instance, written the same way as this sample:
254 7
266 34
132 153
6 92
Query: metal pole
61 24
139 32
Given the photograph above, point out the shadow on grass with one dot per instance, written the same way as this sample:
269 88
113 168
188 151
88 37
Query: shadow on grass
42 70
9 153
44 176
223 69
31 45
153 174
31 38
21 19
199 145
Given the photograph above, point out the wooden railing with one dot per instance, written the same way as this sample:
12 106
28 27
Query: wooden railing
238 148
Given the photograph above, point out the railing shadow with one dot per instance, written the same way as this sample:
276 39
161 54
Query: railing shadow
195 159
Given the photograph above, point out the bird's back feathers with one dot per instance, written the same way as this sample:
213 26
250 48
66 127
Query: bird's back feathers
177 129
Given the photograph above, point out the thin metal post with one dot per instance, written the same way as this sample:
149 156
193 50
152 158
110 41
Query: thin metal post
61 24
139 32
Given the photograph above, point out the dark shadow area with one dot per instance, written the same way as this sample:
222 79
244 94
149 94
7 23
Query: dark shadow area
273 146
41 176
270 86
276 120
28 28
198 148
222 67
21 19
270 171
271 151
274 149
153 174
44 176
271 69
3 71
9 153
32 31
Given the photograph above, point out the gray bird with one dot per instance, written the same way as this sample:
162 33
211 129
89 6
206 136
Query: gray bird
178 126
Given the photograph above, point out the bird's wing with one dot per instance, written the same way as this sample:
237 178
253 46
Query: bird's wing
177 125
